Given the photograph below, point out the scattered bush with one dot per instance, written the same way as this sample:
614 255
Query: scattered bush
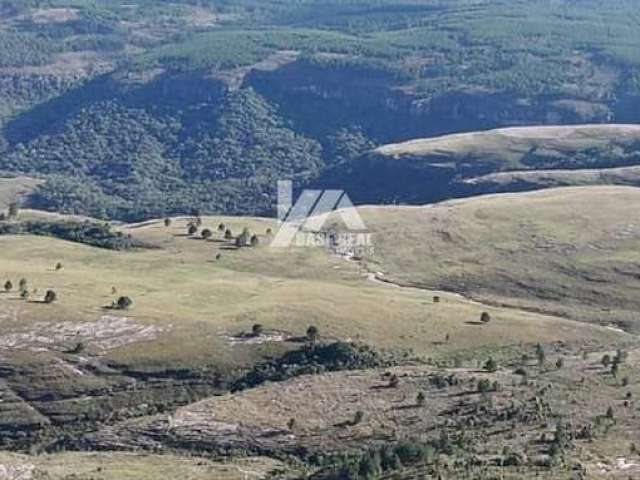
50 297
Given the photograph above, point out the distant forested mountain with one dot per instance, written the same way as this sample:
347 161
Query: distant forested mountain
152 108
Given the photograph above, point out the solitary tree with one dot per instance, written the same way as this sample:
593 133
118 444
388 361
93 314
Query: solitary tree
540 354
8 286
24 294
491 365
291 424
207 234
59 266
269 232
485 317
312 334
255 241
167 222
124 303
610 413
615 369
228 234
358 418
394 381
257 330
560 363
192 229
606 361
244 238
621 356
22 285
421 398
50 296
221 227
13 210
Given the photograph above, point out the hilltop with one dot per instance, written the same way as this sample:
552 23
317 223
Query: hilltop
501 160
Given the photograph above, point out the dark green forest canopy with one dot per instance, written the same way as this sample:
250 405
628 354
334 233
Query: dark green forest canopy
151 107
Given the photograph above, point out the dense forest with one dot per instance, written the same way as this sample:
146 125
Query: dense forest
153 108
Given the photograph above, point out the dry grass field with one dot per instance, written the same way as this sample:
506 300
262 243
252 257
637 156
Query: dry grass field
572 252
12 189
121 466
508 147
184 296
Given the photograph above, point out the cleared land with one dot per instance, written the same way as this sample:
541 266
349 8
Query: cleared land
570 251
14 189
123 466
517 147
184 296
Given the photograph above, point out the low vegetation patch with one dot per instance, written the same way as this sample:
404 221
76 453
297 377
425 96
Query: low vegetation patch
90 233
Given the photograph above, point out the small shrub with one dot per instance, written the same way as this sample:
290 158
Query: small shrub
312 334
358 417
257 330
50 297
124 303
491 365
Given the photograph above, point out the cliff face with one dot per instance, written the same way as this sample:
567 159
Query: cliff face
320 99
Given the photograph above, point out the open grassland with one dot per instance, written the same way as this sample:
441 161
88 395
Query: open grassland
188 305
521 147
570 251
12 189
122 466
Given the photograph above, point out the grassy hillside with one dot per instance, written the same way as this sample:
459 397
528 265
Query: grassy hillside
541 147
502 160
78 374
187 297
15 190
570 251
